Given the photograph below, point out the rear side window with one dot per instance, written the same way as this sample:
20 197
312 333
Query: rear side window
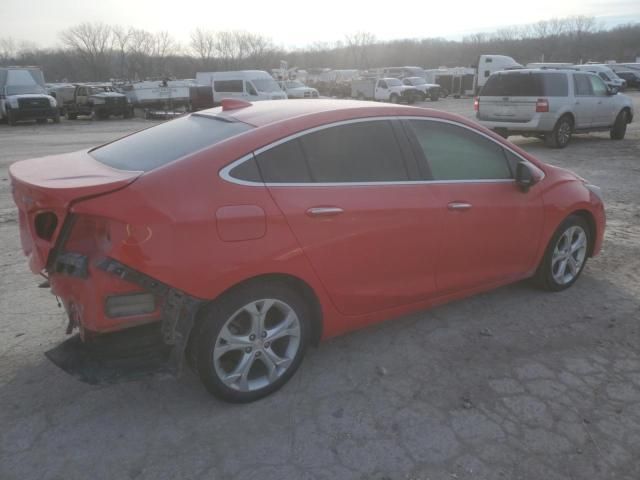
284 163
232 86
456 153
356 152
582 84
159 145
549 84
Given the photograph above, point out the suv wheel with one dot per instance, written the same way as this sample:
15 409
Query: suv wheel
394 98
619 128
561 134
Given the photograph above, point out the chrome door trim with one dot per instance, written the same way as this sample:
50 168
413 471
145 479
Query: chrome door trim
225 171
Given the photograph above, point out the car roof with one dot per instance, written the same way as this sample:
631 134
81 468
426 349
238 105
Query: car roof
273 111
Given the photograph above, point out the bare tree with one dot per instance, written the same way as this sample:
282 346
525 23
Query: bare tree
203 45
359 45
121 40
93 43
8 49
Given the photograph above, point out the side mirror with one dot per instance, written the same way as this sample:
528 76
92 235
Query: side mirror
525 178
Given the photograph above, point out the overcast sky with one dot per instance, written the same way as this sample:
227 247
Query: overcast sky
298 23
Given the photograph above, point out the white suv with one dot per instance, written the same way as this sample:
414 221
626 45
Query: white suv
552 104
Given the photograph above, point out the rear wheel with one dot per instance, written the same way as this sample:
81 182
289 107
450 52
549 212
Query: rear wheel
561 134
619 128
566 255
394 98
252 341
435 96
71 116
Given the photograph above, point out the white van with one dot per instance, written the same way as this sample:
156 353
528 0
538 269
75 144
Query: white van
605 73
250 85
487 64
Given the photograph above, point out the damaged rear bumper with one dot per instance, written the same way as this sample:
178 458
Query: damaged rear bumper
131 345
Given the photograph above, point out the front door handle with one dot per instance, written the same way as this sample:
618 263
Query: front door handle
459 206
324 211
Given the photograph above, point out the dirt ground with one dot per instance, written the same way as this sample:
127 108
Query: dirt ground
512 384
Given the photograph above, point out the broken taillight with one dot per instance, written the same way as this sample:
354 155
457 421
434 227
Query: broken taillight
45 224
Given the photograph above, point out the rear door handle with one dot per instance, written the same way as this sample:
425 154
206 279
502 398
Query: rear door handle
459 206
324 211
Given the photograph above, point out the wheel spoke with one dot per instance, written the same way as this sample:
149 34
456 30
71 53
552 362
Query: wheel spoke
240 375
572 265
272 367
287 328
579 243
278 361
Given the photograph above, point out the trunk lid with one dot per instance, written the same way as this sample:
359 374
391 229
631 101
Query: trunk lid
44 188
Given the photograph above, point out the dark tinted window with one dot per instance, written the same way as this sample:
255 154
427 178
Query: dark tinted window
456 153
159 145
582 84
228 86
247 170
284 163
527 84
356 152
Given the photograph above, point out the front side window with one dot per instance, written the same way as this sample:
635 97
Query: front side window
582 84
456 153
598 86
604 77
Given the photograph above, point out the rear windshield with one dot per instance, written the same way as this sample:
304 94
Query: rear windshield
157 146
516 84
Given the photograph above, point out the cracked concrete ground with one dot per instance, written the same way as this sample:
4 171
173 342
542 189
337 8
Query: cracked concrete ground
513 384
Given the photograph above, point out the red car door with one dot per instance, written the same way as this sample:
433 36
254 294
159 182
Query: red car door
369 232
491 229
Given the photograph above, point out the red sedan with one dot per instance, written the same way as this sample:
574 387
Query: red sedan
246 232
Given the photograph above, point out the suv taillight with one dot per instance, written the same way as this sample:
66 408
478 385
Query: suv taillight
542 105
476 104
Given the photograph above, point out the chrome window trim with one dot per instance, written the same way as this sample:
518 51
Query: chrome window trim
225 171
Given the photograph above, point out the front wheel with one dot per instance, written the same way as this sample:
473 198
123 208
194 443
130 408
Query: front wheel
566 255
619 128
435 96
252 341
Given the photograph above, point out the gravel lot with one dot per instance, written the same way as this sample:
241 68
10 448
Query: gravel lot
513 384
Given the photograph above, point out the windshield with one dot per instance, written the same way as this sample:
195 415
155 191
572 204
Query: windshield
294 84
267 85
164 143
393 82
604 76
94 90
23 89
418 81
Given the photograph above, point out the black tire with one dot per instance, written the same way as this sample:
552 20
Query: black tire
435 96
394 98
11 118
561 134
56 118
41 120
71 116
444 93
503 132
544 276
222 311
619 128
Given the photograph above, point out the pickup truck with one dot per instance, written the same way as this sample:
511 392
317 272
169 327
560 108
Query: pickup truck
98 101
23 96
427 90
384 90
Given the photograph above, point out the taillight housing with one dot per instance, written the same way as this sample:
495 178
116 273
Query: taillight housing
476 104
46 224
542 105
89 235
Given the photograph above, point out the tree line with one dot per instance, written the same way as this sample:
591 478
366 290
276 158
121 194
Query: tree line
99 52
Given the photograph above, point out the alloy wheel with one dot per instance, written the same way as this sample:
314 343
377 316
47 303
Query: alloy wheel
569 255
257 345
